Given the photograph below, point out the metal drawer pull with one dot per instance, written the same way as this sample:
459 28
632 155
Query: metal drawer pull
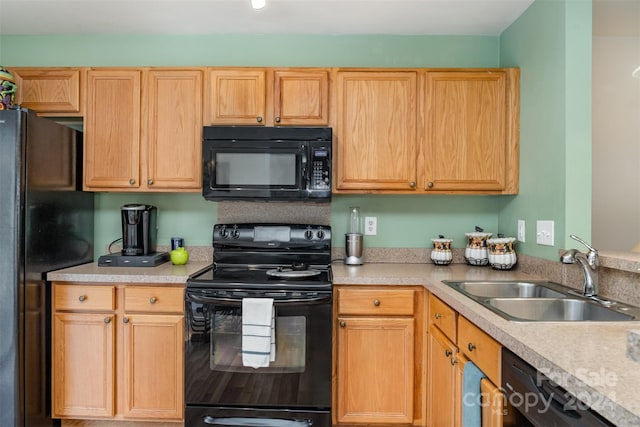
107 320
471 347
125 320
132 181
438 315
343 323
376 302
153 300
81 298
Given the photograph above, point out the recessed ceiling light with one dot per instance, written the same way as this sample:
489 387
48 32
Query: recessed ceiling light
258 4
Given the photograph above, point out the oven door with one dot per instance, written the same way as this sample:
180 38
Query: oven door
217 385
253 170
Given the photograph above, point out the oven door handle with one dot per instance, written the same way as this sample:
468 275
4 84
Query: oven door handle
238 301
255 422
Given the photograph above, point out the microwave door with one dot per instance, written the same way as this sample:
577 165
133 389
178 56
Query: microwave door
249 173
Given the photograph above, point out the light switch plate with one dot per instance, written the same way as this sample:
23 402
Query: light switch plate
521 232
544 233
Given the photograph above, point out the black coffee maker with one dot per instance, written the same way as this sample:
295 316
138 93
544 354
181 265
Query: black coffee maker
139 229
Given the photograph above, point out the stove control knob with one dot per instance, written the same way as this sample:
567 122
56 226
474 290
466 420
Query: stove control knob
235 233
308 234
223 232
320 234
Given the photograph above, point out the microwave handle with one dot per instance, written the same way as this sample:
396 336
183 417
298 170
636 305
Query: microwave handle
304 169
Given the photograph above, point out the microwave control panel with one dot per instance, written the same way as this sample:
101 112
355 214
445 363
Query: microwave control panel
320 169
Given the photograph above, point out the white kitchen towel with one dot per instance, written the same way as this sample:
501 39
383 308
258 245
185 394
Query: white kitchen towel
258 332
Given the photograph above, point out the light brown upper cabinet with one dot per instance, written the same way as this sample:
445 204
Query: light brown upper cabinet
51 91
267 96
471 131
423 131
143 130
376 131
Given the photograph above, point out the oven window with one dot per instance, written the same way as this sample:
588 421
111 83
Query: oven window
255 169
226 343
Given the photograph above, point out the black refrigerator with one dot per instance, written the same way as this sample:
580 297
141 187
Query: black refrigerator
46 223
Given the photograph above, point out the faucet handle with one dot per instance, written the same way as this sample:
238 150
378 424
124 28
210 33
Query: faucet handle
578 239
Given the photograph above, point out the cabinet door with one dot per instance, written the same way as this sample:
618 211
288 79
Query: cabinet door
466 131
493 404
236 97
301 97
375 370
460 360
376 130
153 366
112 130
173 131
441 379
50 91
83 359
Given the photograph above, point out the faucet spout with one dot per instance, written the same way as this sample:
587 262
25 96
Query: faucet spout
589 262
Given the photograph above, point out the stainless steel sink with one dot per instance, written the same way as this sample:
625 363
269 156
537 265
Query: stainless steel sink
555 309
508 289
541 301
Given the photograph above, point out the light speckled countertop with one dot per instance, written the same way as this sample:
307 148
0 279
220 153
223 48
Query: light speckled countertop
588 359
163 273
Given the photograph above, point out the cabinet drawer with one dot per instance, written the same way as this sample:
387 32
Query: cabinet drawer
442 316
84 297
154 299
399 302
480 348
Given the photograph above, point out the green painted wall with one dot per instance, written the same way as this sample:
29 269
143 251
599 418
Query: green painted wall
551 43
403 221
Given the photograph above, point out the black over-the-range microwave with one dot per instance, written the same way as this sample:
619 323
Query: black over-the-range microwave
266 163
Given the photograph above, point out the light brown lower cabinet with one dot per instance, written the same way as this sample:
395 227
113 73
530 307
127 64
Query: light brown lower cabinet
378 355
117 352
451 345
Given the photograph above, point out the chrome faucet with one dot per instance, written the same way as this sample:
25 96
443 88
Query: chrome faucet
589 262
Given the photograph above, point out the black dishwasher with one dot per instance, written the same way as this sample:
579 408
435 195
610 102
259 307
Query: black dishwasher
534 400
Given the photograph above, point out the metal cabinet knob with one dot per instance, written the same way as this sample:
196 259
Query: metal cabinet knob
125 320
343 323
430 184
277 119
437 315
107 319
153 300
447 353
453 361
471 347
81 298
412 184
376 302
149 182
132 181
259 119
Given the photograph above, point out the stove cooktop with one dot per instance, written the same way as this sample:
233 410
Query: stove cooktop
260 277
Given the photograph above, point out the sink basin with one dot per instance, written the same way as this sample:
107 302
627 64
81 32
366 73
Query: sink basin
541 301
555 309
508 289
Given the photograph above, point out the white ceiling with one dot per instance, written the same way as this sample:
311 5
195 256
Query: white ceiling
402 17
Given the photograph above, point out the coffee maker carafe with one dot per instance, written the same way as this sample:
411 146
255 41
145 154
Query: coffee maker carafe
139 229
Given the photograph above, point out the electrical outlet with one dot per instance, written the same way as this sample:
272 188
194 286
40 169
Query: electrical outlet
370 225
544 233
521 233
